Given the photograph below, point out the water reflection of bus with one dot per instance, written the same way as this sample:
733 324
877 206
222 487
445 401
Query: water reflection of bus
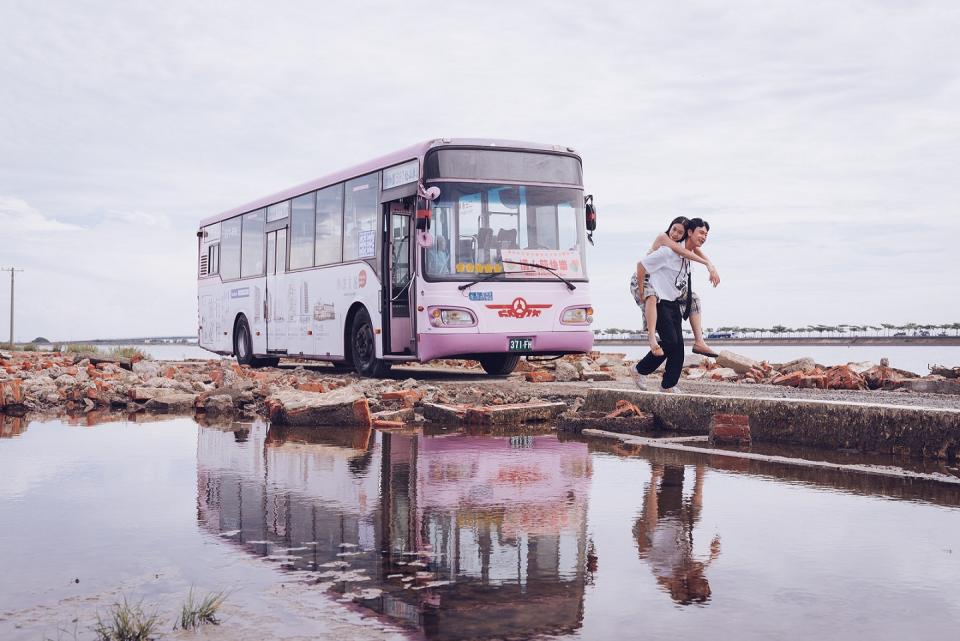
498 522
501 273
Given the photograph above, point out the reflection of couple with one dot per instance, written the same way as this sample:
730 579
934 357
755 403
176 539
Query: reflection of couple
664 533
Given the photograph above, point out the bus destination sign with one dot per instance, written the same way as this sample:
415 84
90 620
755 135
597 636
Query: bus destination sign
408 172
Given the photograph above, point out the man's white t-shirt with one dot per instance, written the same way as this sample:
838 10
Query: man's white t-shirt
666 269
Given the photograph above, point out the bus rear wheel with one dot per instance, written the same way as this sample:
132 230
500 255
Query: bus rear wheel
499 364
243 347
242 342
363 347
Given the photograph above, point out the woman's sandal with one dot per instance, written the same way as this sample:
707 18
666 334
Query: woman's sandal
705 353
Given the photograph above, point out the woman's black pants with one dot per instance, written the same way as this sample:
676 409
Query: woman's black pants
671 340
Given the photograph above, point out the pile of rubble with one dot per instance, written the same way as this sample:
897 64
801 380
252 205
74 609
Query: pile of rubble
36 382
805 373
594 366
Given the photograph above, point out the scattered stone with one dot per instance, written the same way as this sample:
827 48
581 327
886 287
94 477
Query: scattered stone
407 397
566 372
596 375
805 364
842 377
737 362
694 360
860 368
723 374
791 379
624 408
539 376
219 405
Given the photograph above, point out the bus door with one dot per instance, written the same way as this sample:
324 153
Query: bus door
272 305
398 268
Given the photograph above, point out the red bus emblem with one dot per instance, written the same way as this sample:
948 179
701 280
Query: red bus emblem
519 308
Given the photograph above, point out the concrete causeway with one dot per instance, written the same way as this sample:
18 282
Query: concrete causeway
920 432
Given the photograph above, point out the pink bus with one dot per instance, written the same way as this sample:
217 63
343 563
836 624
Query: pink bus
452 248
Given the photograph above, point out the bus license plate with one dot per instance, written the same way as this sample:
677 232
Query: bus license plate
521 344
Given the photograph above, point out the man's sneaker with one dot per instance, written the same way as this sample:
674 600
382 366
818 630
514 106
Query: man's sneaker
638 379
671 390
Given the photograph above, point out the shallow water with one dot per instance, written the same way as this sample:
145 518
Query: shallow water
461 536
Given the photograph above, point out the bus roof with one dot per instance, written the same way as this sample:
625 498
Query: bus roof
414 151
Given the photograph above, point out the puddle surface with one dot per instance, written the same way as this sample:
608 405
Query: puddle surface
461 536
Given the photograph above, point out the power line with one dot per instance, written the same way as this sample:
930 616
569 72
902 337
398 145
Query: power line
13 271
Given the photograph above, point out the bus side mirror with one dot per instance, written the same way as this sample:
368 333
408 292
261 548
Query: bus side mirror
591 214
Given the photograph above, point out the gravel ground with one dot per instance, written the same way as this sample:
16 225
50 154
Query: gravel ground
455 378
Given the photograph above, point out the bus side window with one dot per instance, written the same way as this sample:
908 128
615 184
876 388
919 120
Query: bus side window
213 259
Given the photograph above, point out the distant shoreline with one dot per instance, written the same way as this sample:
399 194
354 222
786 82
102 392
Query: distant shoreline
832 341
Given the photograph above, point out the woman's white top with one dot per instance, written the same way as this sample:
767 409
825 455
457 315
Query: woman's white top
667 271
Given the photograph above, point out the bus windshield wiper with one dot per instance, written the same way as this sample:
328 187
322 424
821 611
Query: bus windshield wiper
569 285
479 280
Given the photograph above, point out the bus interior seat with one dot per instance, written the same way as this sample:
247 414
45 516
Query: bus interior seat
484 236
465 249
507 239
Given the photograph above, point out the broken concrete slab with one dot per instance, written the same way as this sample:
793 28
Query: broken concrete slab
144 394
931 385
643 423
219 405
171 403
737 362
342 406
406 415
513 414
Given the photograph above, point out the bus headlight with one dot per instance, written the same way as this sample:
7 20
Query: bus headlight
577 316
451 317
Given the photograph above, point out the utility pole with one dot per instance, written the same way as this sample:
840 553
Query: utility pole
12 271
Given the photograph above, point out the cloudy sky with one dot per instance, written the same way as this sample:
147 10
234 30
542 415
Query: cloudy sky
820 139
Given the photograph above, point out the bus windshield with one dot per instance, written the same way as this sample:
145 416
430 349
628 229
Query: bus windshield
487 228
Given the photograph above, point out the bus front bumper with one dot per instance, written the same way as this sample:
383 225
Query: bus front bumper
462 345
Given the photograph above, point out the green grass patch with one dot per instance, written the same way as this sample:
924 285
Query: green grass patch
195 613
125 622
128 352
81 348
29 347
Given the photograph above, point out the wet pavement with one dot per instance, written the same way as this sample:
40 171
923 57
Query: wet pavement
446 534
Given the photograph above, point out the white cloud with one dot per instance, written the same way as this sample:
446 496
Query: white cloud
17 217
814 136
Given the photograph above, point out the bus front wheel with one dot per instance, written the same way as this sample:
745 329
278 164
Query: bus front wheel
363 347
499 364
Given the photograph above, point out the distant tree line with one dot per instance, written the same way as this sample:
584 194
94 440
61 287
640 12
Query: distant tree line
812 331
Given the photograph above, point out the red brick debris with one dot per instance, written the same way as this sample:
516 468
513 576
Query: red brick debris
730 429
